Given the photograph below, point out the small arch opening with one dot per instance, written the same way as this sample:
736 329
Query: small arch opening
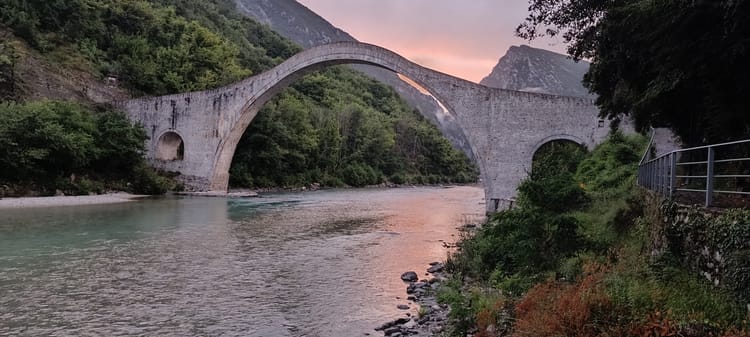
170 147
556 156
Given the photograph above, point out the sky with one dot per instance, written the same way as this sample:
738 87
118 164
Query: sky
464 38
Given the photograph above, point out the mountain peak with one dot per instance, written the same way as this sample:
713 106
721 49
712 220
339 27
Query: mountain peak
525 68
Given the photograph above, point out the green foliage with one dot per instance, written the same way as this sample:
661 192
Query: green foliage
325 129
151 48
642 287
597 256
680 64
45 138
551 186
146 181
462 312
535 236
66 146
610 169
608 176
725 239
8 78
260 47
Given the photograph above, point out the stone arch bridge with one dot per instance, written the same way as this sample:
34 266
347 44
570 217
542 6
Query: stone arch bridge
196 133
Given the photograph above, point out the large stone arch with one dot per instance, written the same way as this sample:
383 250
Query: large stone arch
307 62
503 127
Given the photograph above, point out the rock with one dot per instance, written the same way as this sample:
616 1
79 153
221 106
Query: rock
410 324
436 268
392 330
392 324
403 307
411 298
401 321
435 307
434 263
409 276
59 193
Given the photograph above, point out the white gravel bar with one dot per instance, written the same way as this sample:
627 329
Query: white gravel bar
112 198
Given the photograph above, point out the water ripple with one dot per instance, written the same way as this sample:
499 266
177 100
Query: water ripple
310 264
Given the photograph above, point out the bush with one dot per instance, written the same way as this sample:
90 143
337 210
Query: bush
359 175
398 178
51 143
146 181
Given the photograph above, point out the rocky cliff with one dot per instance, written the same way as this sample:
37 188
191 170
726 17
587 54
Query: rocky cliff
537 70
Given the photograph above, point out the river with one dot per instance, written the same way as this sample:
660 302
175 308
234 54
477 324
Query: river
324 263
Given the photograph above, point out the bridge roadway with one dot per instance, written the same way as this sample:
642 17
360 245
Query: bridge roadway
197 133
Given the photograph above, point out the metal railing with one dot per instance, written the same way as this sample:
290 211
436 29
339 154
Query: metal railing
707 172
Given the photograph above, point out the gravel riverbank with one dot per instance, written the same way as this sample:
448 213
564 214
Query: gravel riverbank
112 198
432 316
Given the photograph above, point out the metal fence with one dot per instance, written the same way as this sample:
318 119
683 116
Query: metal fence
700 174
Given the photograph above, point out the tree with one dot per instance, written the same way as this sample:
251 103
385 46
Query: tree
7 72
680 64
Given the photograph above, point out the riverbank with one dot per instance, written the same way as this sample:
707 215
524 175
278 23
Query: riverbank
81 200
432 317
317 187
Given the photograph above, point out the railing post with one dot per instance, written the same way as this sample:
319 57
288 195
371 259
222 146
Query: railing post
710 177
660 177
663 176
672 174
652 175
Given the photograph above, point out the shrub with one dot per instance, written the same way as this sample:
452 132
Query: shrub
553 308
146 181
398 178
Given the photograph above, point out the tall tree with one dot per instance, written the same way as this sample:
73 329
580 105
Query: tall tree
675 63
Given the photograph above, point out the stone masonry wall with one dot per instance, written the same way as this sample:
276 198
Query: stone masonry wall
711 242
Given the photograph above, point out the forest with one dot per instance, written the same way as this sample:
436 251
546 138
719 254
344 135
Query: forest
335 127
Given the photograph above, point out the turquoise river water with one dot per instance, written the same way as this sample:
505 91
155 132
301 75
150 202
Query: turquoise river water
324 263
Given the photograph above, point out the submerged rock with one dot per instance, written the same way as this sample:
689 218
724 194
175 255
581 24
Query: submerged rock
409 276
436 268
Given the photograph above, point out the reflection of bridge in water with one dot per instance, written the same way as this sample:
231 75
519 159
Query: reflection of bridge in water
196 133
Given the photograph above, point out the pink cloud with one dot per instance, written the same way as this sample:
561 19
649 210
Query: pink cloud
464 39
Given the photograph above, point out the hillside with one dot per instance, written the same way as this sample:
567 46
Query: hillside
39 76
317 132
530 69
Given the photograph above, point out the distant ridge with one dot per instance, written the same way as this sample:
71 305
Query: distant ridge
530 69
294 21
